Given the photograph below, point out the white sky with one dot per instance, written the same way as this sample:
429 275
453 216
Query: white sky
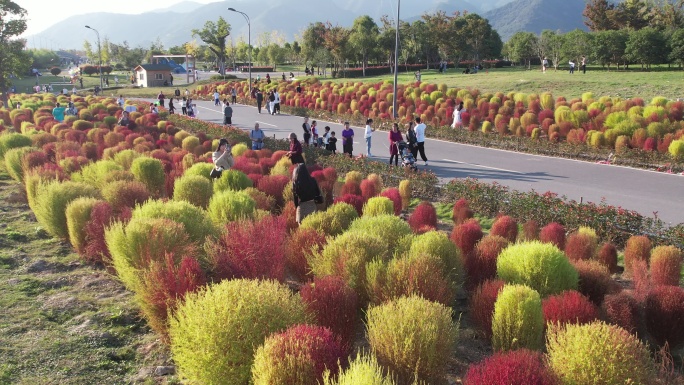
44 13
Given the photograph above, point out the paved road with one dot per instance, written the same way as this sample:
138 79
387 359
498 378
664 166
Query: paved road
646 192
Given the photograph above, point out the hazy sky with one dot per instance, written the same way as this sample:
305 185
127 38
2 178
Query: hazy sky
44 13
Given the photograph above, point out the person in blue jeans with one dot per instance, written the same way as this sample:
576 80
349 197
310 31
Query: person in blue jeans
369 135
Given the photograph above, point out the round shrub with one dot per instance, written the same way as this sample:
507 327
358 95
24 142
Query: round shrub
395 196
9 141
354 200
594 280
466 235
423 218
302 244
150 172
195 220
506 227
229 319
482 304
413 337
125 193
553 233
96 174
201 169
436 243
518 321
569 307
515 367
389 228
334 305
232 180
352 188
331 222
299 355
607 255
238 149
405 193
663 315
530 230
77 216
364 369
227 206
189 143
461 211
598 353
580 246
353 176
368 189
194 189
541 266
481 265
263 201
638 248
666 265
14 162
51 201
378 206
125 158
623 310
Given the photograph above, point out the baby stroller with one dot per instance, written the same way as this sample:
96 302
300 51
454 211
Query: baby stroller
407 159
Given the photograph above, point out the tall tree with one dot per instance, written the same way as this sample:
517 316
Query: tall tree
215 34
480 38
88 48
364 38
12 56
646 46
337 42
609 47
632 14
555 43
598 15
521 47
313 39
106 52
445 32
577 44
676 43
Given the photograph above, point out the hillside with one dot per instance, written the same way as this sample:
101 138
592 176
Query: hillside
536 16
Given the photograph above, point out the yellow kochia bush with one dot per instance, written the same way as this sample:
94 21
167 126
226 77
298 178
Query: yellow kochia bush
150 172
518 321
363 370
216 331
378 206
77 216
194 189
51 201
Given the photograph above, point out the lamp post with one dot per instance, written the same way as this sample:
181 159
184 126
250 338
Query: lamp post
249 42
99 53
396 60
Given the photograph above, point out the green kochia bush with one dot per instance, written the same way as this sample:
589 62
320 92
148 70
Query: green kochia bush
201 169
227 206
438 244
195 220
14 162
541 266
518 321
412 336
232 180
52 200
333 221
598 353
13 140
363 370
150 172
94 174
77 216
194 189
391 229
216 331
378 206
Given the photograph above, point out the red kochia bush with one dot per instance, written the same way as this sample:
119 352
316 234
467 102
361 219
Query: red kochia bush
531 230
352 188
393 194
638 248
289 215
482 304
250 249
301 244
569 307
102 215
273 185
266 165
122 194
461 211
516 367
664 315
622 309
334 305
594 280
607 255
553 233
481 266
423 218
580 246
506 227
355 200
466 236
666 265
367 189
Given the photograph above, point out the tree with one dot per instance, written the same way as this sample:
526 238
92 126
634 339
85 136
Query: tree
481 40
609 47
215 34
106 56
364 38
337 43
426 42
646 46
276 54
677 46
313 39
521 47
13 59
88 48
632 14
577 43
598 15
445 32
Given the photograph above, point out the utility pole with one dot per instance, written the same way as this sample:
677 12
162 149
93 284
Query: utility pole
396 60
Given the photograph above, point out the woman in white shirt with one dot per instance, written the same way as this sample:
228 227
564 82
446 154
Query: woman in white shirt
368 134
457 116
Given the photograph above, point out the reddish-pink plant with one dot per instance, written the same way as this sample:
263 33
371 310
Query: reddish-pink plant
569 307
531 230
351 188
516 367
334 305
666 265
266 165
289 214
664 315
462 211
122 194
553 233
594 280
393 194
243 252
354 200
506 227
482 304
273 185
481 266
622 309
641 280
638 248
102 215
607 255
301 244
466 236
580 246
367 189
423 218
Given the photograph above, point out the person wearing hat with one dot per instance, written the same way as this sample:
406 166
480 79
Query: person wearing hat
222 158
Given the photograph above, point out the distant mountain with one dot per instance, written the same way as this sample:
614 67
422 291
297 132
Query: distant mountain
182 7
536 16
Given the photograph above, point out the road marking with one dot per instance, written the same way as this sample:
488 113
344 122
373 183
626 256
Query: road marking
268 124
481 166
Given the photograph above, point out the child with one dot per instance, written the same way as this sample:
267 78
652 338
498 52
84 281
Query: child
326 137
332 143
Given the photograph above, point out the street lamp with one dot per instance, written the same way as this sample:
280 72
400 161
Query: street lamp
249 41
396 60
99 52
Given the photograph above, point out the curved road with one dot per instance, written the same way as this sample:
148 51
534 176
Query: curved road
647 192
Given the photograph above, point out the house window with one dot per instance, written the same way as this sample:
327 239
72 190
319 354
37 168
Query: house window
141 76
159 76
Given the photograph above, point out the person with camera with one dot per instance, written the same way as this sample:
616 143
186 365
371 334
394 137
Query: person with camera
222 158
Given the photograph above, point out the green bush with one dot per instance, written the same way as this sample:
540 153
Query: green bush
412 336
238 149
438 244
378 206
391 229
228 206
232 180
125 158
150 172
363 370
96 173
216 331
9 141
201 169
541 266
676 149
194 189
14 162
188 144
51 201
195 220
336 219
77 216
598 353
518 320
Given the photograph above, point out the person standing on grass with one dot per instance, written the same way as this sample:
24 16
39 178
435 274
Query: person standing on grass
394 138
583 65
257 137
259 99
420 139
161 98
348 140
368 135
227 114
217 98
545 64
307 131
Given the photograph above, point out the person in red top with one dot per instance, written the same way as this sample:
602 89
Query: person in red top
394 138
295 153
161 98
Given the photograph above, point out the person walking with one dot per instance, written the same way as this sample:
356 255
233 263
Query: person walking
271 103
348 140
257 137
420 139
233 95
583 65
394 138
572 66
276 102
411 140
227 114
295 153
184 106
161 98
259 99
457 116
217 98
368 135
306 192
307 131
172 108
545 64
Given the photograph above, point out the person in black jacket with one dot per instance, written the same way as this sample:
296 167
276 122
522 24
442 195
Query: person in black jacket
306 192
259 99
